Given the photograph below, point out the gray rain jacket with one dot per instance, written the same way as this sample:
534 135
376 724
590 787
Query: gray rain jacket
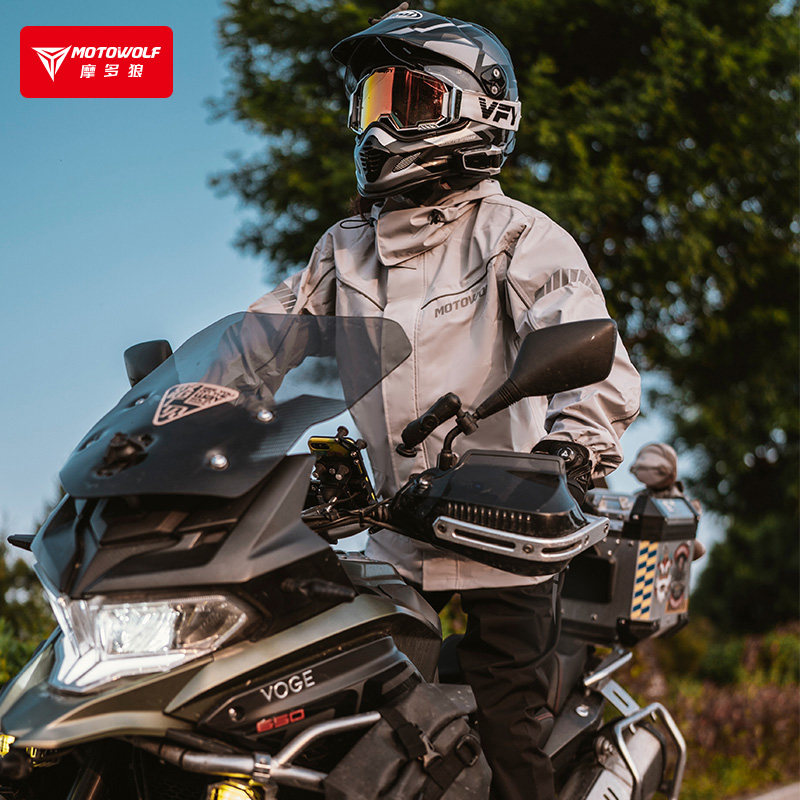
467 279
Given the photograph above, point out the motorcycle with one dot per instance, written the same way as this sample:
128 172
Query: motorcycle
212 644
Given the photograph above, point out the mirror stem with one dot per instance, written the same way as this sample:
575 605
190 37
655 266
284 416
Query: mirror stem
447 458
467 424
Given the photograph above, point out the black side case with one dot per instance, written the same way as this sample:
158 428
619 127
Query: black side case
383 764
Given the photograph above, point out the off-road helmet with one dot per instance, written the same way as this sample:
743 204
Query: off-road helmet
431 99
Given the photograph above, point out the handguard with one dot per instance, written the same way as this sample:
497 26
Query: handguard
512 511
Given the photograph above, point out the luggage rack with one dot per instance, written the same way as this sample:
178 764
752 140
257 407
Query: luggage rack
600 680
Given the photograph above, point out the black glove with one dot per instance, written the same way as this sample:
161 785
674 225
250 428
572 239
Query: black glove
577 463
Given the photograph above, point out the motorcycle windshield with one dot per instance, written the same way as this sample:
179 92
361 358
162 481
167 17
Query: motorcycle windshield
222 411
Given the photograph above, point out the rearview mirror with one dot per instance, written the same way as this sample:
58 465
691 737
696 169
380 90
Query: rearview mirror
556 359
141 359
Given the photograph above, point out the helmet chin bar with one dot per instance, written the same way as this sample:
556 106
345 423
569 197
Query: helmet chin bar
387 166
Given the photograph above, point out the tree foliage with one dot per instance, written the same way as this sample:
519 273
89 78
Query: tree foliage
662 134
25 617
734 700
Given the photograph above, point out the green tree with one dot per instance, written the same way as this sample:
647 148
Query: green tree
663 135
25 617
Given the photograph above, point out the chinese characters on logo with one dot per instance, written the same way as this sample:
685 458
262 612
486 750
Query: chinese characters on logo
112 70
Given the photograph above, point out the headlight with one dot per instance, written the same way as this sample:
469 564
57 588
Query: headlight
106 638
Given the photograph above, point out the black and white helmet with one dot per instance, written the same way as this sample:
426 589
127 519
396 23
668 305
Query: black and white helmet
431 99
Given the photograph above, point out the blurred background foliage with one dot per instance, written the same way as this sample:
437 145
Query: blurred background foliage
735 699
25 618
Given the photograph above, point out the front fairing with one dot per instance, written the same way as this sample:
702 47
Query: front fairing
189 473
187 489
38 716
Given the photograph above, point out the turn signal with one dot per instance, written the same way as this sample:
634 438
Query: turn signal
231 790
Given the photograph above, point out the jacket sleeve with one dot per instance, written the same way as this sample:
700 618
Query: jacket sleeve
548 282
310 291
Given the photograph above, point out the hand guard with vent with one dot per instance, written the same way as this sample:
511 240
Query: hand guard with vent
513 511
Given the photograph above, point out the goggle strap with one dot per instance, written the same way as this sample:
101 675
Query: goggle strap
503 114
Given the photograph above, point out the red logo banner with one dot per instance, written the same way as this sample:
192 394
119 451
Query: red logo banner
95 61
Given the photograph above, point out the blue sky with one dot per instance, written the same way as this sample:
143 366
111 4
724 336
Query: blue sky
109 235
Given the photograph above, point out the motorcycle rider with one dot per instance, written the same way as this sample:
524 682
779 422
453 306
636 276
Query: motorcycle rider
467 272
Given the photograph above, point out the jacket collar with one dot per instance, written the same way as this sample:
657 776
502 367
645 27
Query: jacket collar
403 231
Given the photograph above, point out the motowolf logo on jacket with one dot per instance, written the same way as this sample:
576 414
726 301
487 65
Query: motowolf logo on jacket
96 61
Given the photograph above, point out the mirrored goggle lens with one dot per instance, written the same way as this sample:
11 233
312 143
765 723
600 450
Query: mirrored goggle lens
409 99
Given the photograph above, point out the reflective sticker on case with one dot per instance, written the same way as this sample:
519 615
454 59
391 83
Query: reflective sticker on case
645 579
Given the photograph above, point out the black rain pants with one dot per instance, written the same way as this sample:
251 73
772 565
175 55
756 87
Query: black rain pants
504 656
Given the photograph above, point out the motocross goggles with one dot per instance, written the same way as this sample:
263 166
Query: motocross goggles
413 101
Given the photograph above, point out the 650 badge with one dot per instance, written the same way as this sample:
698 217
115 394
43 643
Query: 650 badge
96 61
